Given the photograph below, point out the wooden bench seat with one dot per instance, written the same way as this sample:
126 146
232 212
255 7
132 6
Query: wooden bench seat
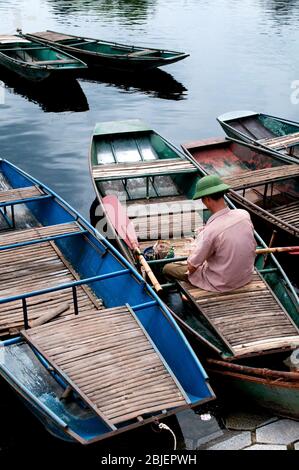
38 233
12 195
281 141
109 360
249 320
52 36
142 169
253 178
55 62
143 52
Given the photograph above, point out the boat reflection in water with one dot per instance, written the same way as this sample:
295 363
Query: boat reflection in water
155 83
51 95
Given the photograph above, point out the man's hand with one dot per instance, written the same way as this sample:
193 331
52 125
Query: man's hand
191 269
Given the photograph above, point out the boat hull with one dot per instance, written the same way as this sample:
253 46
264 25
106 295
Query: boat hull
280 397
26 71
99 265
114 56
231 158
281 136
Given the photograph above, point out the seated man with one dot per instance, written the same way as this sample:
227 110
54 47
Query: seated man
224 252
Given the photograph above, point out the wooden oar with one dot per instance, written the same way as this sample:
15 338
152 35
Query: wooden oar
294 250
126 230
49 315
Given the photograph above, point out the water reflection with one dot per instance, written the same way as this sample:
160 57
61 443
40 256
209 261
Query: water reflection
132 10
155 83
283 12
190 430
53 95
280 7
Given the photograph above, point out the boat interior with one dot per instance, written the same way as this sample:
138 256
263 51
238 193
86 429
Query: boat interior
154 182
245 337
35 53
101 47
266 183
63 269
269 132
45 263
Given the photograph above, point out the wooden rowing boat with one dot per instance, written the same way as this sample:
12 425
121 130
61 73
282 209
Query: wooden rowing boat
111 55
34 61
270 132
129 159
253 323
87 344
264 184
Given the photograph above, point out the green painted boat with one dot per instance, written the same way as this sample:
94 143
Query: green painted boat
156 181
271 132
265 184
111 55
34 61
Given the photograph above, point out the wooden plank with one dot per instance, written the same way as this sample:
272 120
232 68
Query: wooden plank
49 315
280 141
55 62
142 169
143 52
251 178
52 36
36 233
12 195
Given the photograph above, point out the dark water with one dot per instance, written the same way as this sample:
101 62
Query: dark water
243 55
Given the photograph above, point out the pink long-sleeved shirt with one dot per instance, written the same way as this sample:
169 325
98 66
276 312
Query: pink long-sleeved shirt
224 252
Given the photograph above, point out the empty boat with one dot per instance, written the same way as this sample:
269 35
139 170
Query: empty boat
86 343
34 61
273 133
111 55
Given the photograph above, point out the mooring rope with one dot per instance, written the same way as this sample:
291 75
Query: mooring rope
167 428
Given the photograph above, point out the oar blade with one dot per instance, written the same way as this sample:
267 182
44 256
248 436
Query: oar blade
118 218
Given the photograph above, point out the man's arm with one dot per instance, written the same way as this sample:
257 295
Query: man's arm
202 250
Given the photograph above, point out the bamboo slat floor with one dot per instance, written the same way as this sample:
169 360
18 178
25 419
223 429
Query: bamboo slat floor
280 141
110 361
31 268
165 217
288 213
251 178
28 268
142 169
249 319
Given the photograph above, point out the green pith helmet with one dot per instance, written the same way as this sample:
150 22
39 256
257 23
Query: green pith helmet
208 185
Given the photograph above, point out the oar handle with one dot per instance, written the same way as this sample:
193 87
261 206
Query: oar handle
262 251
149 272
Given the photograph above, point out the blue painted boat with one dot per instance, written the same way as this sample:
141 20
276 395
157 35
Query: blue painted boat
113 358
